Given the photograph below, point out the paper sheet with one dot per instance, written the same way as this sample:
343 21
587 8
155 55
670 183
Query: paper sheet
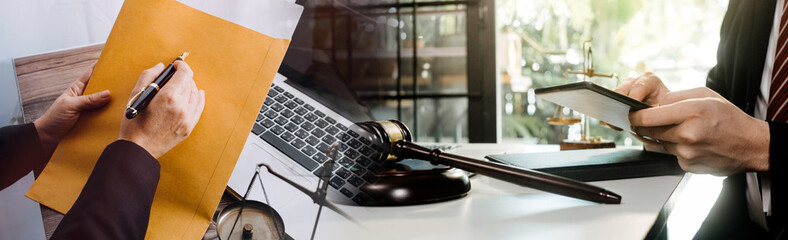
234 65
275 18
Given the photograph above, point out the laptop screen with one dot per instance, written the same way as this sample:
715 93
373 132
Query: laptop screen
317 66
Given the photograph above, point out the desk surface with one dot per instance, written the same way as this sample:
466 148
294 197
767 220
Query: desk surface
493 209
500 210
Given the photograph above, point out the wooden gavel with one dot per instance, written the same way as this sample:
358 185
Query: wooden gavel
394 138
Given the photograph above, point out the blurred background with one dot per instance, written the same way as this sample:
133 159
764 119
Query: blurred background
464 71
539 40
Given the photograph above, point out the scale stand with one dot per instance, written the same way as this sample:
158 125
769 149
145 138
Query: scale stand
585 141
259 220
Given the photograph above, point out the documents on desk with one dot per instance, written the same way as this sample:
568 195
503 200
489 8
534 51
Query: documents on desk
596 164
194 173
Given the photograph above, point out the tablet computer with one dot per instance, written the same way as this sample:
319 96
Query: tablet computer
594 101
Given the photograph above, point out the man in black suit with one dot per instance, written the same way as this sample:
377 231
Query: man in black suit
720 129
116 200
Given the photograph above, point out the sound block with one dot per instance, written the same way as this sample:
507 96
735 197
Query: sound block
586 144
405 185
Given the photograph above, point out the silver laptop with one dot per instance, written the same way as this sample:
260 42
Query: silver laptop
293 133
308 109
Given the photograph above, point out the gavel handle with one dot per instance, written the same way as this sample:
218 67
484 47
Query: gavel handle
520 176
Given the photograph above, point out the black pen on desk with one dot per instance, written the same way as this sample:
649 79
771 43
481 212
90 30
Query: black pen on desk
140 101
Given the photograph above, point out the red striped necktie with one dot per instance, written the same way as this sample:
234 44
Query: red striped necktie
778 94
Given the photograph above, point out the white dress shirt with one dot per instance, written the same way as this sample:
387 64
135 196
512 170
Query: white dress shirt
760 201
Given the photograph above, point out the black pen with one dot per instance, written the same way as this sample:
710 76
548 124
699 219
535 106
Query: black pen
140 101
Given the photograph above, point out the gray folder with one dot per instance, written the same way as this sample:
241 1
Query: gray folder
596 164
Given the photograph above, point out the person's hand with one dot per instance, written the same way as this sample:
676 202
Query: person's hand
171 115
707 133
647 88
64 112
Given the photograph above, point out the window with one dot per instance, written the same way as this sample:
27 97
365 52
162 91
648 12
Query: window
404 60
538 40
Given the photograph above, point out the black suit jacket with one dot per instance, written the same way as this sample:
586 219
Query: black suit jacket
744 39
115 202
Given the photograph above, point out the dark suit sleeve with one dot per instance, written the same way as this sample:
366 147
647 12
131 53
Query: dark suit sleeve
716 77
744 35
778 168
116 200
20 153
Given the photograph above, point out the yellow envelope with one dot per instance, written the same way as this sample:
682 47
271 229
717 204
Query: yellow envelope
234 65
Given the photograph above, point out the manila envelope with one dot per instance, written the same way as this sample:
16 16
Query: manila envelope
234 65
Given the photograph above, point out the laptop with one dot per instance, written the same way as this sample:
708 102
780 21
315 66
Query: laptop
308 109
293 133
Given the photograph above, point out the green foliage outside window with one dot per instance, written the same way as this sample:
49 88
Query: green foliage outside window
540 39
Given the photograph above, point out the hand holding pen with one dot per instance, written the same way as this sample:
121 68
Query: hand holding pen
170 116
140 101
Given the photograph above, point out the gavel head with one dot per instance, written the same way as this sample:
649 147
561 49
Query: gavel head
377 148
384 134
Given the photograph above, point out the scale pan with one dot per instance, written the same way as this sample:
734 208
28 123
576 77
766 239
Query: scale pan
563 121
258 221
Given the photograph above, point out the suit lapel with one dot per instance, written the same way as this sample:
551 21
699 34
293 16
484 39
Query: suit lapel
763 17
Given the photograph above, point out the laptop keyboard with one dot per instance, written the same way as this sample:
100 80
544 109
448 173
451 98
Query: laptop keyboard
305 134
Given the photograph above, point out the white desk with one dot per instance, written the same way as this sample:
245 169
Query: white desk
500 210
495 209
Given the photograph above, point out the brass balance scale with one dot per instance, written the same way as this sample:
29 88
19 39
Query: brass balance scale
585 141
